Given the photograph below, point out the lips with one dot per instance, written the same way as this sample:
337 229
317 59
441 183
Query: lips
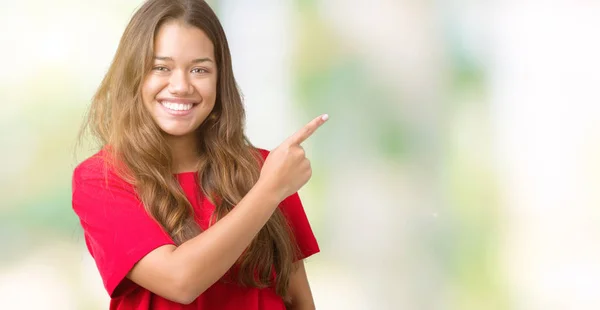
177 106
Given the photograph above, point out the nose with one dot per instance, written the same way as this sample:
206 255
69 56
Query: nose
179 84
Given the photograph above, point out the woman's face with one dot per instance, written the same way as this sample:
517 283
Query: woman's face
180 90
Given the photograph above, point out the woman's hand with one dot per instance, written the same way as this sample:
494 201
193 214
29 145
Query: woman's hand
287 169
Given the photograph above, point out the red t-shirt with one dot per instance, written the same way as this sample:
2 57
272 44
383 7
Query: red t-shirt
119 232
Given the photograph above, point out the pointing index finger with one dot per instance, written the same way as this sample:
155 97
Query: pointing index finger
308 129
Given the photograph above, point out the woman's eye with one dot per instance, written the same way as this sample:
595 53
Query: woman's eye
160 68
199 70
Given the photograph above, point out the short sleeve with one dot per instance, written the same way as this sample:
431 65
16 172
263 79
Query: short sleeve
293 210
118 231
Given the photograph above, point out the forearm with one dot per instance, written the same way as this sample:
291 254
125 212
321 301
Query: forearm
208 256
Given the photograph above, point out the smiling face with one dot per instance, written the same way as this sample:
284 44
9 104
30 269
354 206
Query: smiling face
181 89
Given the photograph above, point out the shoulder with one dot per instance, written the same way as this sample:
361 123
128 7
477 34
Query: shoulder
97 187
264 153
91 167
98 167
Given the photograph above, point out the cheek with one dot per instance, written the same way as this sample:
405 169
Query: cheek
150 89
207 89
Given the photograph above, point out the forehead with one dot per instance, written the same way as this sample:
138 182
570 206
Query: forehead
182 42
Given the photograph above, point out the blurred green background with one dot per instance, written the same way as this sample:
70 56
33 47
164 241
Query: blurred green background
459 170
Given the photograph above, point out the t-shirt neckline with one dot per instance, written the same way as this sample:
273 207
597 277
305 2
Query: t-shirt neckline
187 176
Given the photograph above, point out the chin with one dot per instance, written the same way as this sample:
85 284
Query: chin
177 132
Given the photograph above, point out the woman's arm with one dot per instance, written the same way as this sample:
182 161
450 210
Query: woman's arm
182 273
300 294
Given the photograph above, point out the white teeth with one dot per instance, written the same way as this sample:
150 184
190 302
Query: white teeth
177 106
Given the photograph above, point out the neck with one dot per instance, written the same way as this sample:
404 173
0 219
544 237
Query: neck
184 153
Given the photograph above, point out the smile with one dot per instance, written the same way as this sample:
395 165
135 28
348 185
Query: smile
174 106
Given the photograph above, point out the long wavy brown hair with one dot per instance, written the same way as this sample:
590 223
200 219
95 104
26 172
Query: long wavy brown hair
229 164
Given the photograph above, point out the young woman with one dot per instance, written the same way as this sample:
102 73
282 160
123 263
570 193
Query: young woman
179 210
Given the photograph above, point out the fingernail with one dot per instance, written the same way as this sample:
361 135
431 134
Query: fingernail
325 117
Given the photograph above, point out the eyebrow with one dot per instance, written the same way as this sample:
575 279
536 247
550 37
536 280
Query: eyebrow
199 60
